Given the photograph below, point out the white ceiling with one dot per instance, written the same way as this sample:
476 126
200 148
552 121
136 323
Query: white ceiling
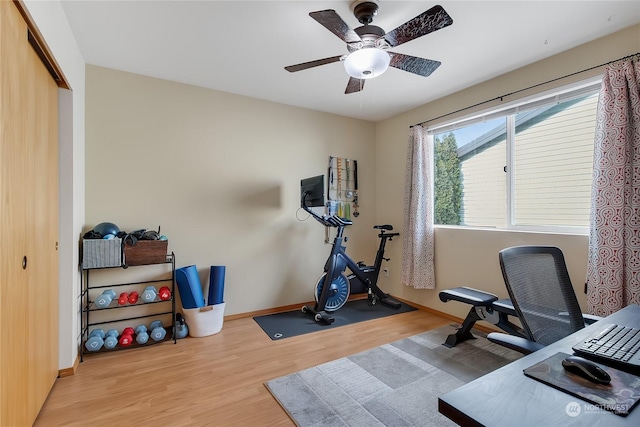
242 47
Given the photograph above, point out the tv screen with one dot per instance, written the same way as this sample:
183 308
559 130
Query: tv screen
312 191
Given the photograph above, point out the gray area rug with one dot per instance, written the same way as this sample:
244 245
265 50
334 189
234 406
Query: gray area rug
396 384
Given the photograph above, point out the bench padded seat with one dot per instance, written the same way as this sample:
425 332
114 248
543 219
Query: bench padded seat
468 295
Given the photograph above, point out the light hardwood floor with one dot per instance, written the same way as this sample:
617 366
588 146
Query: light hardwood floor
212 381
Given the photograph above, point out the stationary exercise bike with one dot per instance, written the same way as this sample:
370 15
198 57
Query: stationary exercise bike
363 278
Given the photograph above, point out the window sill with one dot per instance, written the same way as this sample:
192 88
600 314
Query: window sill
572 231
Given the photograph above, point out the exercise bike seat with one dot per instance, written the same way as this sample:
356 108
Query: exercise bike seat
384 227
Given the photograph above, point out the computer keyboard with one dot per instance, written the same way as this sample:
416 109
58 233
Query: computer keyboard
616 343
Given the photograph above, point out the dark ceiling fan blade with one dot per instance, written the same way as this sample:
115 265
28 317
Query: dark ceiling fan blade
332 22
420 66
311 64
354 85
432 20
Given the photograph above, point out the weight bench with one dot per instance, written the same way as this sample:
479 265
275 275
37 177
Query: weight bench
484 306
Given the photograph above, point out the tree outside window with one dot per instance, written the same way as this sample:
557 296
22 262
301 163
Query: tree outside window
448 181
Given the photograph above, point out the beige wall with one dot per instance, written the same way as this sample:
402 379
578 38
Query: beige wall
469 257
221 174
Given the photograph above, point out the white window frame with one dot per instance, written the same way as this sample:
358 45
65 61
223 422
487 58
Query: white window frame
509 109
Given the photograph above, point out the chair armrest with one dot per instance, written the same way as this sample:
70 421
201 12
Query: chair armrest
590 318
519 344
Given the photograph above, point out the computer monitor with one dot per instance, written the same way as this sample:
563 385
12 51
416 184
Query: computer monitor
312 191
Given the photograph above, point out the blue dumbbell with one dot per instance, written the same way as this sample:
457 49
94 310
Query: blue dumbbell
105 298
142 336
155 324
111 339
95 340
149 294
97 332
158 332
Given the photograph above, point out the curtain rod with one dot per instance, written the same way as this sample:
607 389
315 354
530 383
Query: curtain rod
527 88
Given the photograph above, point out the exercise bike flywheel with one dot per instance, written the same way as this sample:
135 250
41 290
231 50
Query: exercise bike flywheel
338 292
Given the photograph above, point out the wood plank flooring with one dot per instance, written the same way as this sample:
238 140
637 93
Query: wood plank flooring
210 381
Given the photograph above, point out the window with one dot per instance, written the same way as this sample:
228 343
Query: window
525 167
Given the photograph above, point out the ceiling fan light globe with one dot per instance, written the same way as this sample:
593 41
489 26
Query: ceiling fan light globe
367 63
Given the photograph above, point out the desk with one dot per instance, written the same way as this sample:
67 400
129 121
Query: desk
506 397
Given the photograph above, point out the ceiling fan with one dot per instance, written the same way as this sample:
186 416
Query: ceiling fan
368 45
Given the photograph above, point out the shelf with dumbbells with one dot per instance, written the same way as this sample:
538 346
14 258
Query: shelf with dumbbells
118 314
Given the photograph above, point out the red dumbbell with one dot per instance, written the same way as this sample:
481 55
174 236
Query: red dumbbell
164 293
124 298
133 297
127 337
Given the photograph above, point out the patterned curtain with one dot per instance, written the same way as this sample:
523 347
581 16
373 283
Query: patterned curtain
418 237
613 275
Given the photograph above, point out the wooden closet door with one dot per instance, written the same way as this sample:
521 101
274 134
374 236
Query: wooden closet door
14 300
28 225
42 231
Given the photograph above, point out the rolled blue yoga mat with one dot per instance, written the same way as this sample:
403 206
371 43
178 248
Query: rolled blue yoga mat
189 287
216 285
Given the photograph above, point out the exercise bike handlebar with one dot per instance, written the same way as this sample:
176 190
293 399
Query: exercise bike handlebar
326 220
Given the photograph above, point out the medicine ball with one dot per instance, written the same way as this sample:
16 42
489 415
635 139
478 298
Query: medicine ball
105 228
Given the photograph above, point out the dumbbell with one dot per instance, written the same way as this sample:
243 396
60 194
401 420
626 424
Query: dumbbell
111 340
123 299
97 332
142 336
164 293
105 298
127 337
133 297
95 341
158 332
149 294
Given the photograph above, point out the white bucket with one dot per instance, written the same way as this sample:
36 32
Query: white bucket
204 321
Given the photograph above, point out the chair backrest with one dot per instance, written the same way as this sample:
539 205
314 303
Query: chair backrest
541 292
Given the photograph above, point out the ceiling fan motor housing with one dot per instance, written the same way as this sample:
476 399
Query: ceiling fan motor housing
364 10
371 35
369 30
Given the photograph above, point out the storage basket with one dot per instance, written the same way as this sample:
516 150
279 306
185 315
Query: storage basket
100 253
204 321
145 252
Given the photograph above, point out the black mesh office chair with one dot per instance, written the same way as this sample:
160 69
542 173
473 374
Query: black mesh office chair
542 294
